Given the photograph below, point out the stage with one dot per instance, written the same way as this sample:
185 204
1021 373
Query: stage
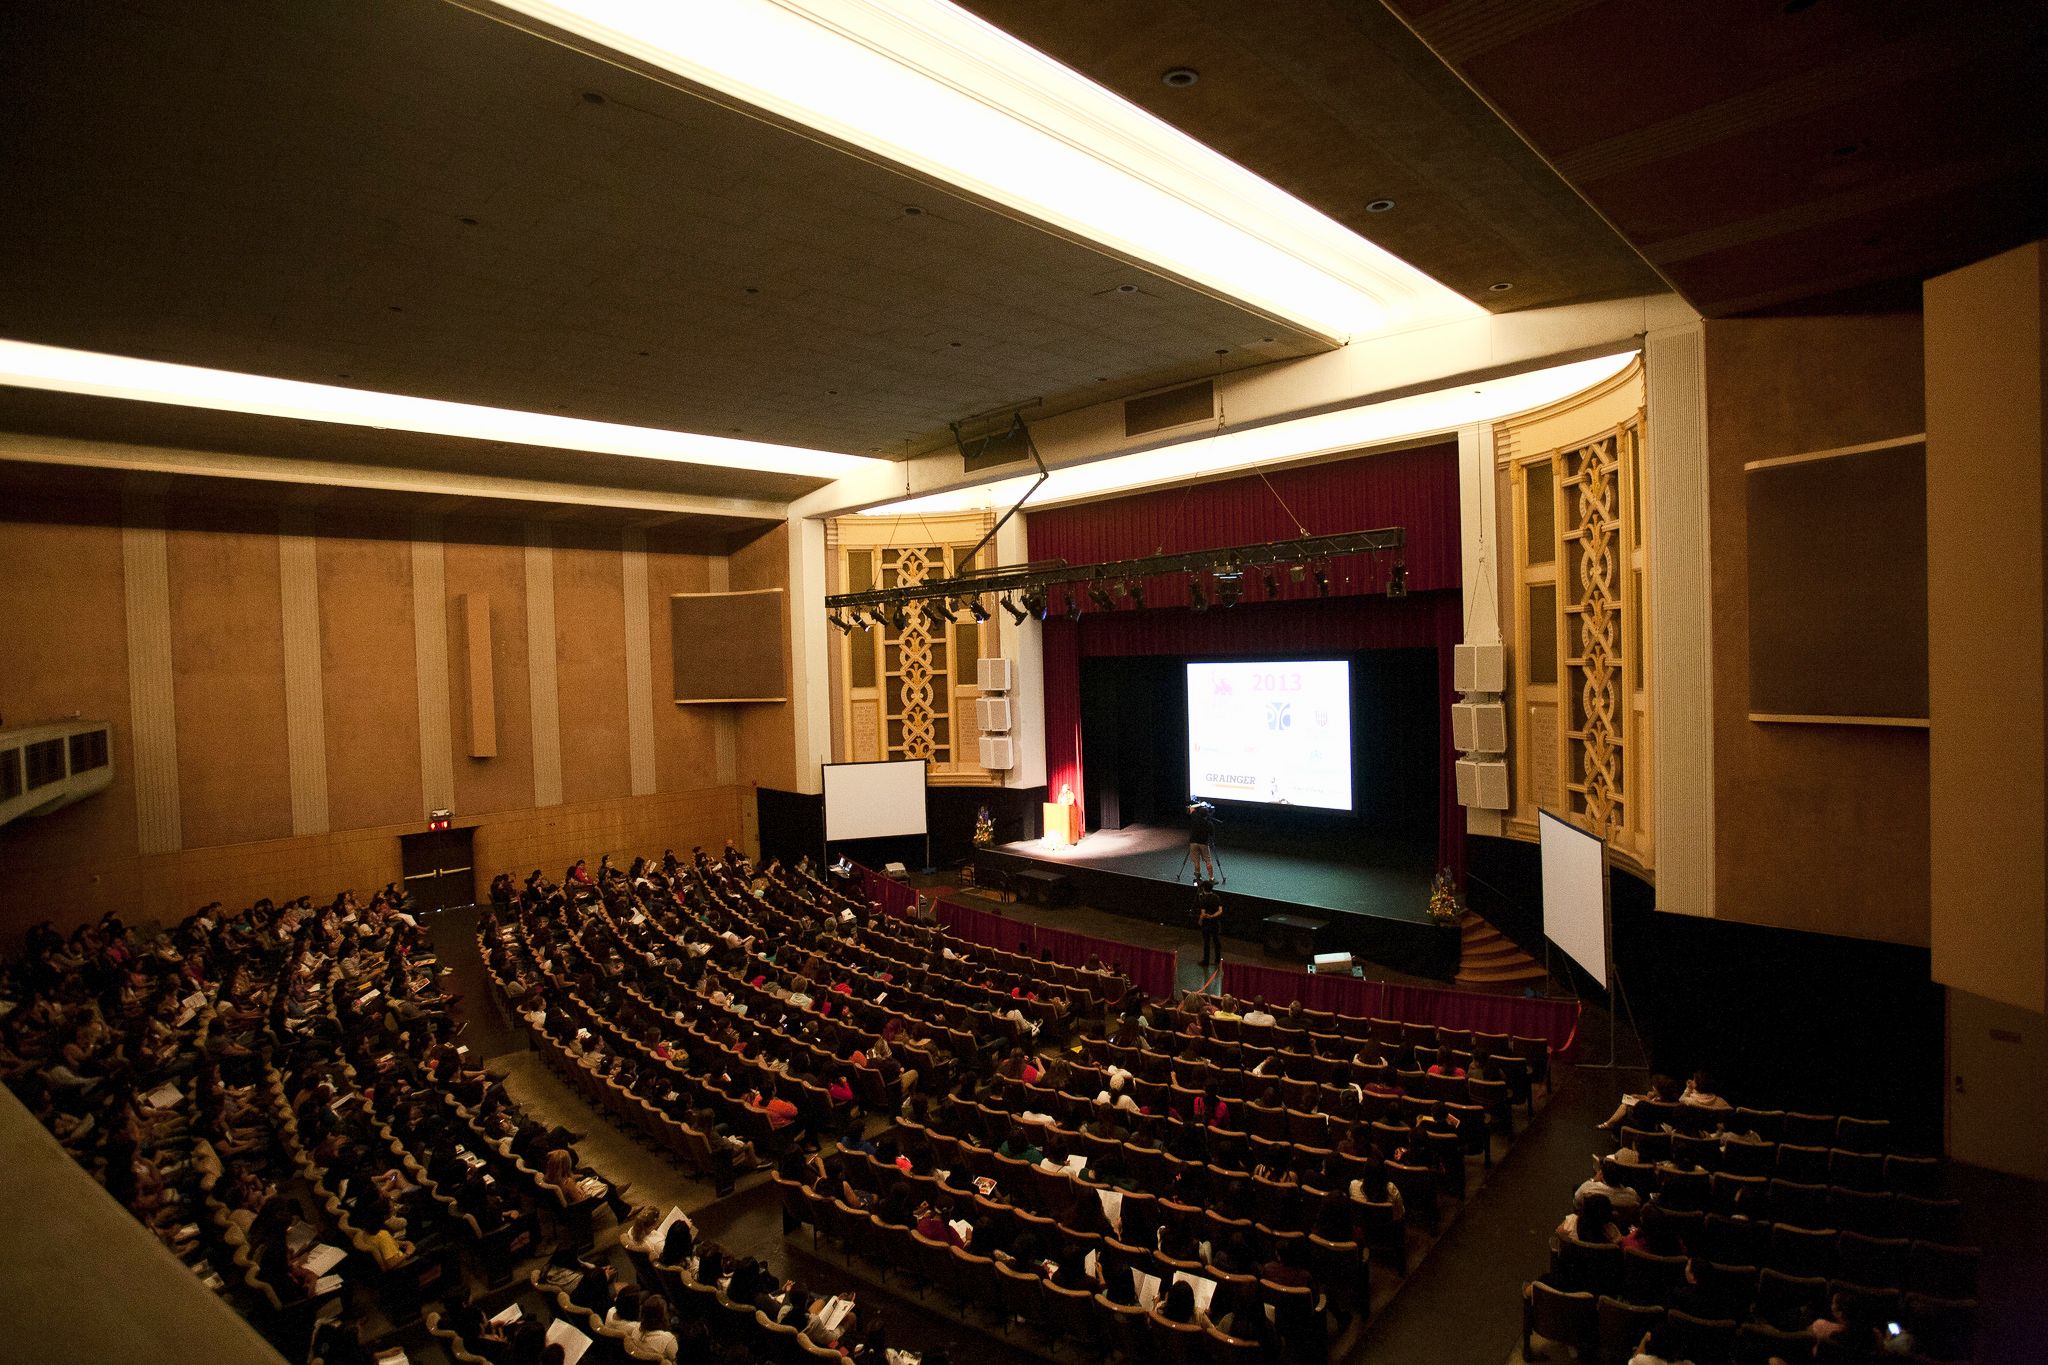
1373 893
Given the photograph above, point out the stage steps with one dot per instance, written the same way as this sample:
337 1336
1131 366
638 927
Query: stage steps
1485 958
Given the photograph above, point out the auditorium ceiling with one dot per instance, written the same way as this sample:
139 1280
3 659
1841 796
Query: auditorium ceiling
407 195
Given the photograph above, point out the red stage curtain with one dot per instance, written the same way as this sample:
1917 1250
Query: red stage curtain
1554 1021
1149 969
1416 490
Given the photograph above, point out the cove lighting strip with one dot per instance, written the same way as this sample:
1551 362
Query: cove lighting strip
1302 438
944 95
28 366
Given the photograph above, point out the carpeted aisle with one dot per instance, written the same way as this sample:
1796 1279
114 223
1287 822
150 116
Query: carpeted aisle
1462 1305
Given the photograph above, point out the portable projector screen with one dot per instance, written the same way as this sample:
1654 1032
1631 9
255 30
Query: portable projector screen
874 800
1575 893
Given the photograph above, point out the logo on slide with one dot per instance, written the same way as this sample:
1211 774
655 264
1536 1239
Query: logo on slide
1278 715
1230 779
1220 688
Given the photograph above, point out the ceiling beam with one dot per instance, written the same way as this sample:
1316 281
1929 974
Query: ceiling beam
62 451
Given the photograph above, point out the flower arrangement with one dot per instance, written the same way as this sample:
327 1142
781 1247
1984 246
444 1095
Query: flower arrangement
984 827
1444 906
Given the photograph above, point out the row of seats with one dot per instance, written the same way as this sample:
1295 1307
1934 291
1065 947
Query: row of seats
1605 1330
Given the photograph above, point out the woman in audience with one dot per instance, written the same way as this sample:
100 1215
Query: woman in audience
652 1339
1699 1092
1662 1089
1593 1222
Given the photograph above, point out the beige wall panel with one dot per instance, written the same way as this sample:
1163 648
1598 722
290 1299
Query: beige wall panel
305 712
543 689
767 738
63 589
490 557
590 666
639 667
685 737
1820 828
1987 555
227 654
366 646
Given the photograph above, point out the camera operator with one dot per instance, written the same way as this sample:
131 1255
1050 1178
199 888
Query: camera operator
1201 831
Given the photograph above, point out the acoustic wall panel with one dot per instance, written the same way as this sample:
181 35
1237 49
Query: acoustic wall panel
480 684
1838 585
729 646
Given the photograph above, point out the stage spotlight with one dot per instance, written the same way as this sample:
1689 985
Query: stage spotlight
1322 577
899 617
1073 604
1229 587
1397 580
1198 592
1017 613
876 619
980 612
1038 602
1296 572
1271 582
1098 593
839 623
1137 591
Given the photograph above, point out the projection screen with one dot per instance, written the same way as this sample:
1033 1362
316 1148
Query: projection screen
1575 893
874 800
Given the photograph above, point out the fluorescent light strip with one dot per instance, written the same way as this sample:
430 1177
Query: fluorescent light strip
1303 438
926 85
29 366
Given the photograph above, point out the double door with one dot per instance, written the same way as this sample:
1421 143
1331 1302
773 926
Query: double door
439 869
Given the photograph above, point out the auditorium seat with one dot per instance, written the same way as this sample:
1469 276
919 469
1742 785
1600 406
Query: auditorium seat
1621 1327
1569 1317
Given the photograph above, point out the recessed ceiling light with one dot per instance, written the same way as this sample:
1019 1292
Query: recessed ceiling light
956 343
1180 77
912 211
752 290
467 222
1501 286
1127 289
55 369
592 97
1379 206
1222 350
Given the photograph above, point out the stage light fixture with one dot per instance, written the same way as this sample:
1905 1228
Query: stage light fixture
1397 580
1098 593
1017 613
1229 587
1270 581
1322 576
1137 596
1198 593
980 612
900 618
1296 572
839 623
1073 604
1038 602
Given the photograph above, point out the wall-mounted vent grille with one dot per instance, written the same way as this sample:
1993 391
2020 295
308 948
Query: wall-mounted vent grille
1175 408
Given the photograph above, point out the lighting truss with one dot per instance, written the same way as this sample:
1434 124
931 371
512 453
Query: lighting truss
1008 583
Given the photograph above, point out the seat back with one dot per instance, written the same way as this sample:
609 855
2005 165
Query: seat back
1568 1317
1692 1338
1622 1325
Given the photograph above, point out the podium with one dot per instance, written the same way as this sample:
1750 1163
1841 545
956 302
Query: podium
1062 824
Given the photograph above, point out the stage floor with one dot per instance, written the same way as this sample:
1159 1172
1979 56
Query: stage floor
1381 878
